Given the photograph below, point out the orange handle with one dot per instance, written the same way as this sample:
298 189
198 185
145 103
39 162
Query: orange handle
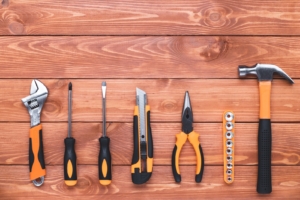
194 140
180 140
265 99
36 153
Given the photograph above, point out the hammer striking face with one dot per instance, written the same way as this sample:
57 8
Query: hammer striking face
264 73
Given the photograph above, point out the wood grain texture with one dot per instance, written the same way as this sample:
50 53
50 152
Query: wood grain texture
180 17
165 96
143 57
285 147
14 183
164 48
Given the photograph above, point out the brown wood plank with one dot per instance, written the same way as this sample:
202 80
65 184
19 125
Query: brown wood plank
15 183
209 97
14 143
143 57
148 17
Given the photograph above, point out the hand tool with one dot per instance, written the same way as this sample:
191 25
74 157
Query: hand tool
142 160
187 132
34 103
264 73
228 146
104 161
70 172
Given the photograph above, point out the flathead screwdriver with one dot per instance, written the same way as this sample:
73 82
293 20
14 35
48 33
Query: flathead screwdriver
104 161
70 173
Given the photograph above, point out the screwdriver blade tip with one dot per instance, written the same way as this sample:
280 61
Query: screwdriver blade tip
103 83
70 86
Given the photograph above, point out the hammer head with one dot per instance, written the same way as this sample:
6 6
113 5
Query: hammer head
264 72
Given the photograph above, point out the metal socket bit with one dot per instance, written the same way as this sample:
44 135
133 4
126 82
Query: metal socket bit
229 158
229 151
229 116
228 171
229 126
229 179
229 135
229 143
229 166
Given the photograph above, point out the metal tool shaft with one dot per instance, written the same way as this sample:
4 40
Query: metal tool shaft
104 108
70 111
142 102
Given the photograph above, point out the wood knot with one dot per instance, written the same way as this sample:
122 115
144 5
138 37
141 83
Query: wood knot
169 105
16 28
62 83
216 17
52 108
214 49
5 3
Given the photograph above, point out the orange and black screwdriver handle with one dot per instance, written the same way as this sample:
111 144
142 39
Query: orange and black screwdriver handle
104 162
193 137
139 173
70 169
36 153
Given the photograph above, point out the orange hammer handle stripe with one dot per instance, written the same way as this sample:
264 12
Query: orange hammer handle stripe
37 166
265 99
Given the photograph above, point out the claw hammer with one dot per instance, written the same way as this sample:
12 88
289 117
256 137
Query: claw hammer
264 73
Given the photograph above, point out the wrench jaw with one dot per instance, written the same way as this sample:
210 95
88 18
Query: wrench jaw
35 101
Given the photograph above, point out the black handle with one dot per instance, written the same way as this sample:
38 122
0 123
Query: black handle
104 161
70 171
176 175
264 180
198 177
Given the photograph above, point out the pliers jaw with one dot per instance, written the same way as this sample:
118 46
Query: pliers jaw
35 101
187 115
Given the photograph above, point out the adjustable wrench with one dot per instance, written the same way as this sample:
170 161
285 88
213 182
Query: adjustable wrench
34 103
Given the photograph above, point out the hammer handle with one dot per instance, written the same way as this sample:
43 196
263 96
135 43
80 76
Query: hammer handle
264 180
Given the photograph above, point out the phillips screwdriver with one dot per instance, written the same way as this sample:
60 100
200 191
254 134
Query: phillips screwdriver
70 172
104 161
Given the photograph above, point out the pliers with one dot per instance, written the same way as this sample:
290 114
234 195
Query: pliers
187 132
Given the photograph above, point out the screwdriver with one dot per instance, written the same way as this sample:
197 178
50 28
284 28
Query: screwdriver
104 161
70 173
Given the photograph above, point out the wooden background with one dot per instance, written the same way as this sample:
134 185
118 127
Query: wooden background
164 48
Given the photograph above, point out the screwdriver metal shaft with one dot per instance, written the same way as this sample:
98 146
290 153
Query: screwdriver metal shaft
70 111
104 109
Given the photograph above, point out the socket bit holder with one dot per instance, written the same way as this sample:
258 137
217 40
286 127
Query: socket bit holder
228 145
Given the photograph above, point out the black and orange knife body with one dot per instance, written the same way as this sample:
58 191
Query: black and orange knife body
187 132
142 160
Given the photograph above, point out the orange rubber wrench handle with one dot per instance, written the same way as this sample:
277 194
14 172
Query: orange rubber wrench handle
36 153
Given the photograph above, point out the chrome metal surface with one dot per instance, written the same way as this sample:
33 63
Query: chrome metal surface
229 135
104 108
264 72
141 102
35 101
229 116
229 126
